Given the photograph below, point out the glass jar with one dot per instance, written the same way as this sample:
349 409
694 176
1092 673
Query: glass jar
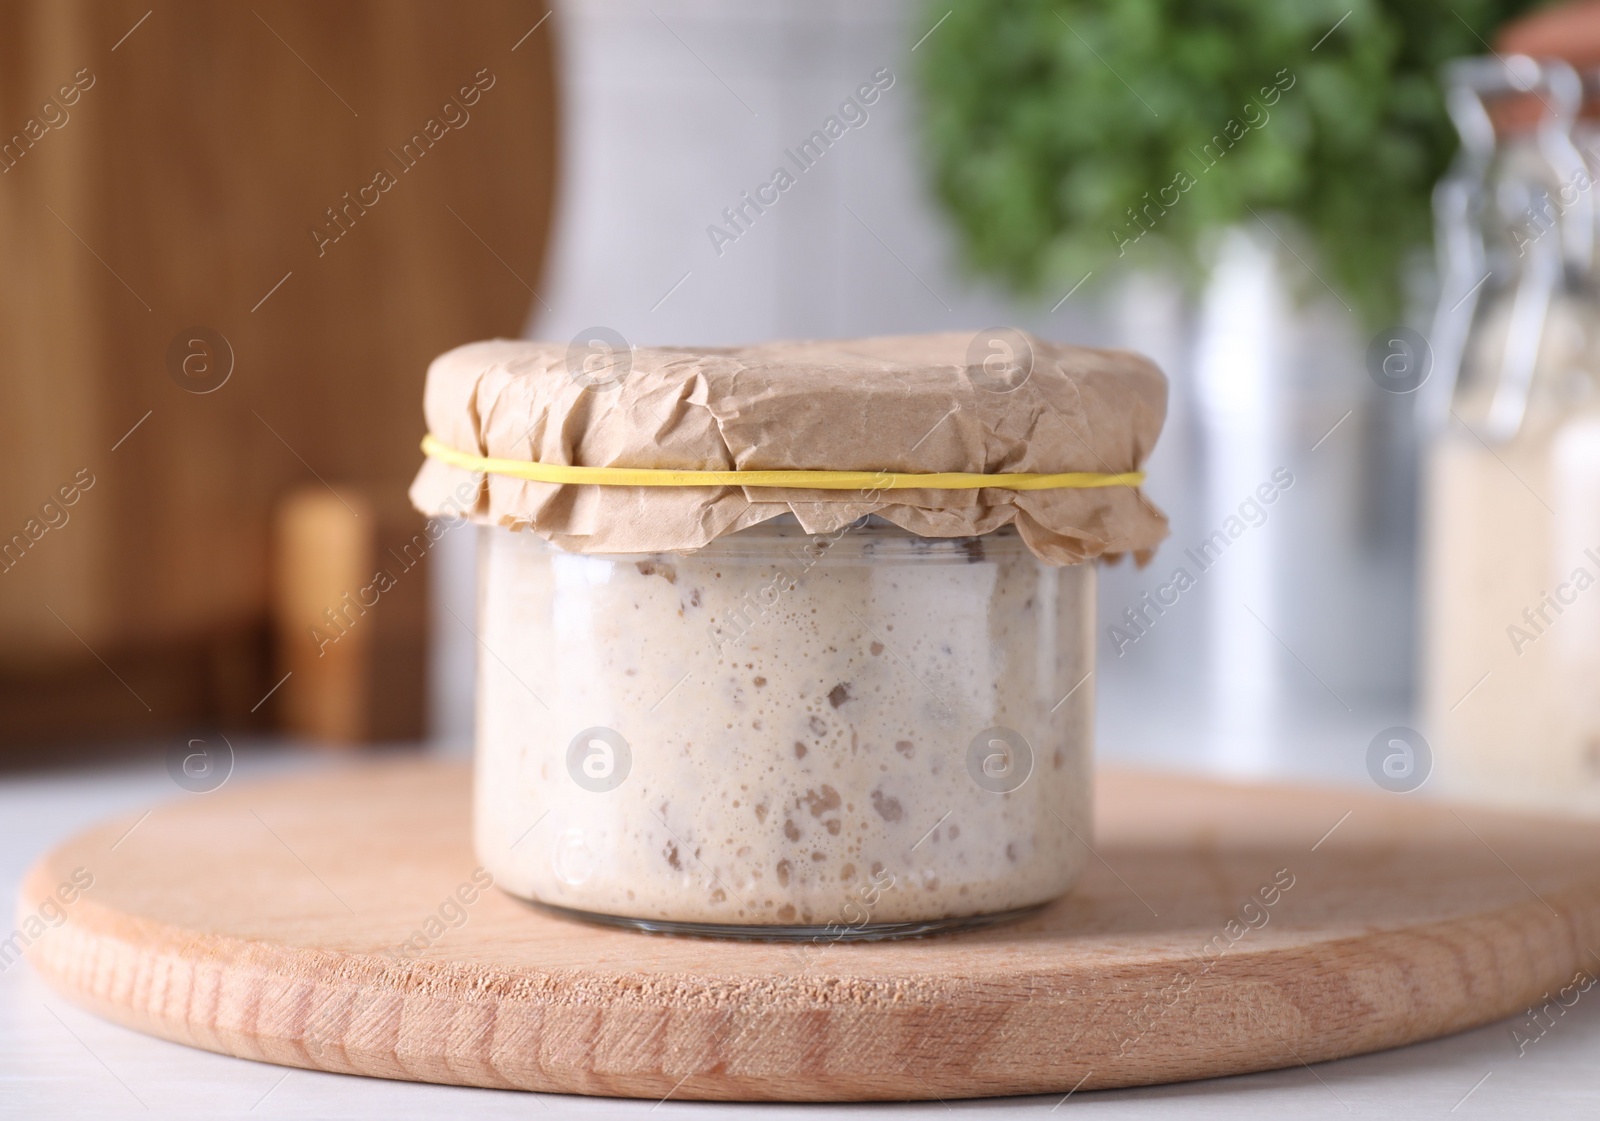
782 735
1512 518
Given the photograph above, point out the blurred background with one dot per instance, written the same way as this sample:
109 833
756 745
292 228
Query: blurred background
1359 238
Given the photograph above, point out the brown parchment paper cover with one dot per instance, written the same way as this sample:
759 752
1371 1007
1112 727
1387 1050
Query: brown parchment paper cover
902 404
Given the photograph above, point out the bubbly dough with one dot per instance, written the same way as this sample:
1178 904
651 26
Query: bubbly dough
796 718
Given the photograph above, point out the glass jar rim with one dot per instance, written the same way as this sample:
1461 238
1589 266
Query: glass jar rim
867 538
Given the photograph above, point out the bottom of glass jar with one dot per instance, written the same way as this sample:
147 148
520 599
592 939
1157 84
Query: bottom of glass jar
820 935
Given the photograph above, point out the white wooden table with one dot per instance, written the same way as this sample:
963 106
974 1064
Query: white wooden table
58 1061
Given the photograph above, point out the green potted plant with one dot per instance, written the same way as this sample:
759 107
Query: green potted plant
1066 137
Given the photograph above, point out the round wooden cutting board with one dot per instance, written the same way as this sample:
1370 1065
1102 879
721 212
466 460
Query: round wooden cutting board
1221 929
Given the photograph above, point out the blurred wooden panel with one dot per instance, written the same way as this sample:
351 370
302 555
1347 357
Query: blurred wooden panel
330 195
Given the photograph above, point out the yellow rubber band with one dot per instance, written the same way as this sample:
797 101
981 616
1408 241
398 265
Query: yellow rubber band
567 474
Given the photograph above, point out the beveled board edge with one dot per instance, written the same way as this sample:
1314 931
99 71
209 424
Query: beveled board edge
710 1038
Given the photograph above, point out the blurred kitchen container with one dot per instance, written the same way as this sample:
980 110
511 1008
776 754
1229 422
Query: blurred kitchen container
1512 526
1289 475
350 613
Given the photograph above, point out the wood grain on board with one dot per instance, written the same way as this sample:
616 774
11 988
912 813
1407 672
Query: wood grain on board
1223 929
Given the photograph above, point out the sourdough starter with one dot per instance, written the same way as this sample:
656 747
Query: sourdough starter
780 729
